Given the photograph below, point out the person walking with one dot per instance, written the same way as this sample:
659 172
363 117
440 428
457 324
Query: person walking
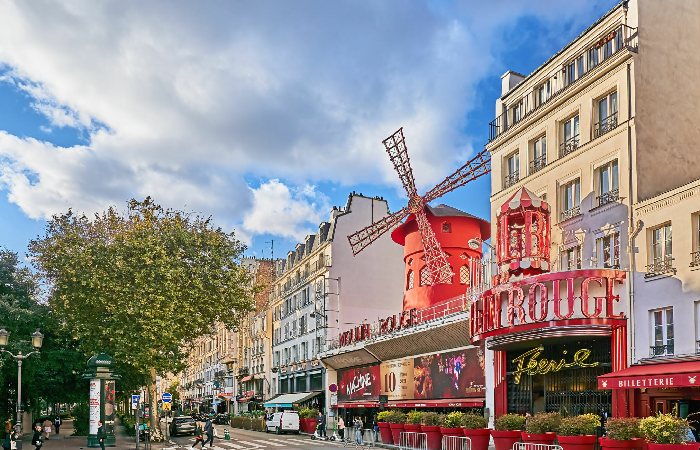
198 439
341 428
47 424
101 434
37 439
358 430
57 423
209 430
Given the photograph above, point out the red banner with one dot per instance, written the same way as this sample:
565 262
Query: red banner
359 383
649 381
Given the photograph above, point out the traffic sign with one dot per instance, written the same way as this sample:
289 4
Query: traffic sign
135 398
166 406
333 387
167 397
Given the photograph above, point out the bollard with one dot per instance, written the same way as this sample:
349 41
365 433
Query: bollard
227 435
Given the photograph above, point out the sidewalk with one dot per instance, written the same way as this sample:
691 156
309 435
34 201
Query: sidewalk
65 441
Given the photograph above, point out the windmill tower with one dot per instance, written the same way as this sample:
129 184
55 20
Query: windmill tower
437 268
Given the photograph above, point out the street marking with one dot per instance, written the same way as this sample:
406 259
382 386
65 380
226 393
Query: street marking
288 442
232 445
254 445
304 442
274 444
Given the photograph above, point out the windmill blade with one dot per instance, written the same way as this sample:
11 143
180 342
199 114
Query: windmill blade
435 258
398 154
361 239
473 169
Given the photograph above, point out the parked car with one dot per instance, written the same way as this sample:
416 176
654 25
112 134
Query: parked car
281 422
221 419
182 425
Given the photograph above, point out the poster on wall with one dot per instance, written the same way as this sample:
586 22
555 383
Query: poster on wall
456 374
110 406
95 392
359 383
397 379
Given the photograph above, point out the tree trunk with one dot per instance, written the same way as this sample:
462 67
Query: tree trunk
156 434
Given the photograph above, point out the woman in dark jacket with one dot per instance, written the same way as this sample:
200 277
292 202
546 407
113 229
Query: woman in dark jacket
37 439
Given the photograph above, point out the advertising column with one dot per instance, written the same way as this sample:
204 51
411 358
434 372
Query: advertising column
101 400
95 403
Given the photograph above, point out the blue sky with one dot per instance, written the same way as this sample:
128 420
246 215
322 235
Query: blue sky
262 114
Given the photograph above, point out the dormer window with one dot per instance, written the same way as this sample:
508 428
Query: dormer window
446 227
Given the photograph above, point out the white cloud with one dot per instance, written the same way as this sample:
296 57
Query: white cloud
190 97
283 212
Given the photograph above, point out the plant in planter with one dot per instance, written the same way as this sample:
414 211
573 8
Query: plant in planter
413 420
383 423
474 426
430 425
621 433
452 424
507 432
578 432
541 428
666 432
396 420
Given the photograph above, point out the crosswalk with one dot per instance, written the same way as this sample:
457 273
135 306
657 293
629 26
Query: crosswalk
252 444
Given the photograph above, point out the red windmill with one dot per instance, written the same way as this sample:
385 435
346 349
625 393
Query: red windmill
435 259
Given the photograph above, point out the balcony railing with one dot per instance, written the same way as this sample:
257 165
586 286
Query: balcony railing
568 146
622 37
608 197
510 179
660 266
695 259
569 213
605 125
661 350
538 163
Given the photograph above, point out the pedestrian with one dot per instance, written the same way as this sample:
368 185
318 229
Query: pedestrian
321 424
358 430
37 439
57 423
375 428
341 427
198 439
7 436
47 427
101 434
209 430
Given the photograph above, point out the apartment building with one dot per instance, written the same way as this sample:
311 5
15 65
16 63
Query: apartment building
321 287
600 128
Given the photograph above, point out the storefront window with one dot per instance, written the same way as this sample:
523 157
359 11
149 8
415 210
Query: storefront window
317 382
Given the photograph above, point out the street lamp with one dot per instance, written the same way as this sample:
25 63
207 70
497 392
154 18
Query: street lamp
37 341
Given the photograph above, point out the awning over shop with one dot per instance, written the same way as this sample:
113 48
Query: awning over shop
248 378
348 405
662 375
439 403
244 399
288 400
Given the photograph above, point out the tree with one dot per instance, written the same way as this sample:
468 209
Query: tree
143 285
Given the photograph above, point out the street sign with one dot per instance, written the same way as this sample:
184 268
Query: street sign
135 398
334 399
166 406
333 387
167 397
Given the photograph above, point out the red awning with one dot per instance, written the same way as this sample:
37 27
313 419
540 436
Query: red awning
663 375
358 405
244 399
248 378
440 403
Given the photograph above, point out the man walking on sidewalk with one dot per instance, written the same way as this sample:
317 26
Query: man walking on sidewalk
209 430
57 423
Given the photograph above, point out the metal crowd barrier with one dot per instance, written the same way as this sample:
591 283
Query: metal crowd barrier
531 446
368 437
456 443
413 440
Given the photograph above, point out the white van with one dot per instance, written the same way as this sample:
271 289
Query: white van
281 422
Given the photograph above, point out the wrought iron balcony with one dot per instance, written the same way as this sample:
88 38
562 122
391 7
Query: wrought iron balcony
660 266
608 197
568 146
661 350
538 163
510 179
569 213
605 125
695 259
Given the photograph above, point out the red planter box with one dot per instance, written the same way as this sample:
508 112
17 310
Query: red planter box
546 438
688 446
311 425
412 427
396 429
385 433
434 437
577 442
606 443
504 440
480 438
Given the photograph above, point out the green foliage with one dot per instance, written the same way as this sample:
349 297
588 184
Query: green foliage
414 417
308 413
431 419
129 424
664 429
622 428
391 416
543 423
81 419
453 419
472 421
510 422
583 425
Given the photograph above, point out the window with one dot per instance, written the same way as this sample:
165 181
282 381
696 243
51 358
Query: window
543 92
446 227
464 274
409 280
606 110
662 332
517 111
569 136
592 58
512 164
424 276
580 69
607 183
571 199
539 154
571 258
608 248
661 251
695 255
304 351
570 73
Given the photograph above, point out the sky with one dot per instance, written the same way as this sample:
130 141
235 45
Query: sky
261 114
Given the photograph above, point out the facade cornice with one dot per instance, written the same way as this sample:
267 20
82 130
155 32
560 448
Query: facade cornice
669 199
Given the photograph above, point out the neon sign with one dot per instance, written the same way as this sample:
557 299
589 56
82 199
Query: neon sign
528 364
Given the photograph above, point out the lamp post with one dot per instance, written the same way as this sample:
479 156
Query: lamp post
37 341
